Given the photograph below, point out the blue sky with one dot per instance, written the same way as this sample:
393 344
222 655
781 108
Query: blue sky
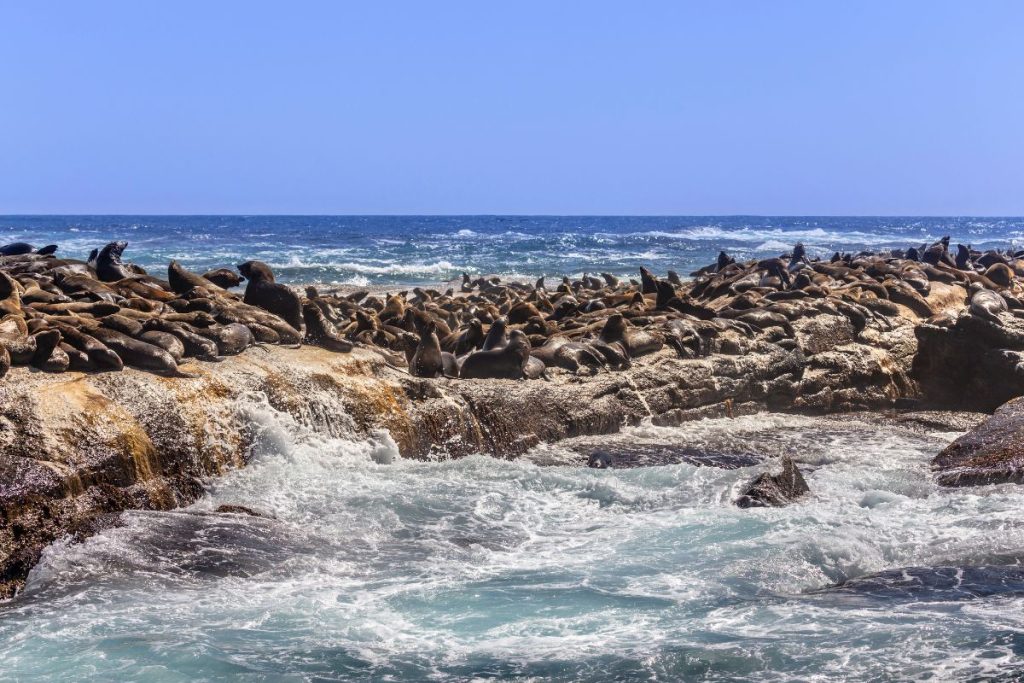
779 107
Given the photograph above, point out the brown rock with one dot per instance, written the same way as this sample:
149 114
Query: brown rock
775 490
992 453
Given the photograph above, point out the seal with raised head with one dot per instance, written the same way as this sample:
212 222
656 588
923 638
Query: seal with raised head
109 267
426 361
262 291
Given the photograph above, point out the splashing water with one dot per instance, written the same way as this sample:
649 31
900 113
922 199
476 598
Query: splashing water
375 567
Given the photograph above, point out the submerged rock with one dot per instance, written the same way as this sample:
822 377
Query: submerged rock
992 453
238 510
775 490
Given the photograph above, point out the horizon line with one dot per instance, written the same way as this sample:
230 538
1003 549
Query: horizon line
505 215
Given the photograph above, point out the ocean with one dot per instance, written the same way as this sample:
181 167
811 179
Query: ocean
372 567
414 250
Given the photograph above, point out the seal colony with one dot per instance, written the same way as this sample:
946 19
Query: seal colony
103 313
483 366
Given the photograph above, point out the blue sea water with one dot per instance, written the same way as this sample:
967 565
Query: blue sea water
385 250
372 567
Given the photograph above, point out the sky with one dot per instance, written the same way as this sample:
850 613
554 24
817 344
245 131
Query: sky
554 107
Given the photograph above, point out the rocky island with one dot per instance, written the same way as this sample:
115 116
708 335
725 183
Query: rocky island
121 388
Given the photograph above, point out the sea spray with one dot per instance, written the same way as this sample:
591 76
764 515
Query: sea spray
368 565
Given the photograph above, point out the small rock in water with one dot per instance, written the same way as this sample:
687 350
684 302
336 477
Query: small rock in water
600 460
238 510
775 490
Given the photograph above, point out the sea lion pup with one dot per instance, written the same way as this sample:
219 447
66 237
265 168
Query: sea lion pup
986 304
467 284
496 336
321 331
225 278
508 362
635 342
262 291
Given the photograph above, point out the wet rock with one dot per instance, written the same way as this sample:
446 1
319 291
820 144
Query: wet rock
238 510
974 364
775 490
929 583
992 453
942 420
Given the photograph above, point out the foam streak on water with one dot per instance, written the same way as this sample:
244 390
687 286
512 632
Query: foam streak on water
389 250
381 568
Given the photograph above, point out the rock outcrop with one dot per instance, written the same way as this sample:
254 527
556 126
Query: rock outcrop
775 490
76 448
992 453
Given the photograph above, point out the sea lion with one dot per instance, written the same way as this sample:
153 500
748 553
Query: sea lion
195 344
225 278
16 249
496 337
986 304
137 353
47 345
426 361
98 354
635 342
600 460
262 291
506 362
321 331
109 267
183 281
166 341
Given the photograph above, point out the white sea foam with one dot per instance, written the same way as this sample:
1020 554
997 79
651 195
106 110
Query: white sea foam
377 567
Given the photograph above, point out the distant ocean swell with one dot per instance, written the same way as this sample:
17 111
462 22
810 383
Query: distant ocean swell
408 250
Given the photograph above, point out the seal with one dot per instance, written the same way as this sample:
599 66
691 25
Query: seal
600 460
137 353
986 304
224 278
506 362
496 337
321 331
109 267
426 360
635 342
262 291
